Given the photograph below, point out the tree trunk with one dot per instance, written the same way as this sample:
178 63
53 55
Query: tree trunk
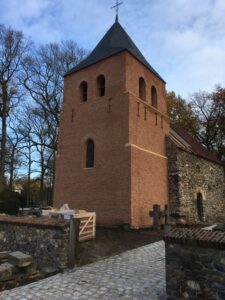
28 177
53 178
42 178
41 188
11 171
3 141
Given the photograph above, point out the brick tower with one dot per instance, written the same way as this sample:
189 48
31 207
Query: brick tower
111 154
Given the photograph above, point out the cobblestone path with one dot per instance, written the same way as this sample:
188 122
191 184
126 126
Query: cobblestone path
138 274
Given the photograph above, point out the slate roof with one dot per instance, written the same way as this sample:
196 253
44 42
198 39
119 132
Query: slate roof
115 41
184 140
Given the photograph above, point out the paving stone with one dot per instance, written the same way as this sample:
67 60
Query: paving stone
136 274
20 259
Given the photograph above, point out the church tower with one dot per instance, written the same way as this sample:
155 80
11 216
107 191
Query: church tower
111 154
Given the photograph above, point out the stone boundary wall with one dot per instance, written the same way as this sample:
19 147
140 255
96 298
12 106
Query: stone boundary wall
47 240
195 264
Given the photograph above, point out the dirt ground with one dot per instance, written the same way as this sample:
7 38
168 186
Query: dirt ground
109 242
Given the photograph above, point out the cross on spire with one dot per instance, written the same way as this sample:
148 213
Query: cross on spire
117 8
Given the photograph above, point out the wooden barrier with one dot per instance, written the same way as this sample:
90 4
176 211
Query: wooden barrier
87 221
87 225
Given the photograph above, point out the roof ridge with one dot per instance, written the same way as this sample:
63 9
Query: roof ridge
195 146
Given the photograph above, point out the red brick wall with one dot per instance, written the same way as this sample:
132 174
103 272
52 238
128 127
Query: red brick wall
130 172
104 189
149 175
135 70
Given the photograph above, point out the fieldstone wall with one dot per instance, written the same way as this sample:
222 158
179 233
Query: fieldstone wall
195 264
17 268
173 176
189 175
46 240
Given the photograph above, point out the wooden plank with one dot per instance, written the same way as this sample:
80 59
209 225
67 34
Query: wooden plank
85 221
87 225
94 225
86 232
85 235
83 215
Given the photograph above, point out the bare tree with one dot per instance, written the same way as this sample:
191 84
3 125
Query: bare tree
38 154
15 146
43 79
13 47
25 130
39 75
210 109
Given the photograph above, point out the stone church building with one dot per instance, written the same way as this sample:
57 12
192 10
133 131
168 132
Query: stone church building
196 179
117 154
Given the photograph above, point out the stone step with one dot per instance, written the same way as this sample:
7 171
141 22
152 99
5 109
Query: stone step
19 259
6 271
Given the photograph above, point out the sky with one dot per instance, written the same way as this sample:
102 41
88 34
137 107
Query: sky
184 40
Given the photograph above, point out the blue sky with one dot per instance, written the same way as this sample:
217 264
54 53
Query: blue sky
184 40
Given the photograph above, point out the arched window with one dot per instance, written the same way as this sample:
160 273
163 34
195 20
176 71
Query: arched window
211 171
90 153
83 91
198 169
142 89
101 85
200 209
154 97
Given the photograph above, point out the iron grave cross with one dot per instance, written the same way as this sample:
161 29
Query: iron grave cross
117 8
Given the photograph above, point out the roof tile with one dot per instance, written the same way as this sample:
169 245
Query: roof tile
195 146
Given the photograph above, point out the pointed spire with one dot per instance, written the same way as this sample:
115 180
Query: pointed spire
114 41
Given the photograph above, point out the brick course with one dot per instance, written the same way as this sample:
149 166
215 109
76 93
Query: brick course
195 265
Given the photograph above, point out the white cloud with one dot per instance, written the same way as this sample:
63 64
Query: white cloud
34 17
187 42
22 9
183 39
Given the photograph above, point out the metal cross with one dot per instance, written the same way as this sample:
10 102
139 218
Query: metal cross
117 8
156 215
